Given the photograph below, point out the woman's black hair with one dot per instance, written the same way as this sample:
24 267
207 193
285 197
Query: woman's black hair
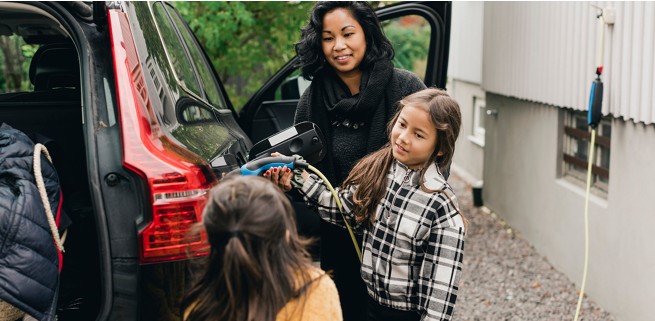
309 48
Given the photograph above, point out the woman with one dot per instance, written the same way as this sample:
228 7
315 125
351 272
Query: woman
353 95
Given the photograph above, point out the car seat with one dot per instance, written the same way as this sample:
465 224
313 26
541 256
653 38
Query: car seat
55 74
55 66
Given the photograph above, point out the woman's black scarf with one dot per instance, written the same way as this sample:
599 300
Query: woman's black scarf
336 104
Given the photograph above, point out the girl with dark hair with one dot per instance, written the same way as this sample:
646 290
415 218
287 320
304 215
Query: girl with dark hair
258 268
355 86
398 198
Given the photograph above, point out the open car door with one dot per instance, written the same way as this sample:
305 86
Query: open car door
420 34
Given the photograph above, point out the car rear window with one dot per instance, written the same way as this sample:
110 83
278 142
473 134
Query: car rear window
179 60
205 70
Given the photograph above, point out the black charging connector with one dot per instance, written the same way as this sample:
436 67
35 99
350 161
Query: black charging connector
595 103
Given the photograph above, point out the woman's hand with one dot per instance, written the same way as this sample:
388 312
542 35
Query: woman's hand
280 176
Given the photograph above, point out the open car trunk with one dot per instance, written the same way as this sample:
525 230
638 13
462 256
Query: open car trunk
50 112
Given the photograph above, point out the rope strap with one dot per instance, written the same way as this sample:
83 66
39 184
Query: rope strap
38 148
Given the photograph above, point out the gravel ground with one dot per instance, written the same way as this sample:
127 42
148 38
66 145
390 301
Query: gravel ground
504 278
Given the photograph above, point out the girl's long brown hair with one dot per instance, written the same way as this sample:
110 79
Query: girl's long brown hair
257 262
370 173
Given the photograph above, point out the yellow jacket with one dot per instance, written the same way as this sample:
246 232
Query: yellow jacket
320 302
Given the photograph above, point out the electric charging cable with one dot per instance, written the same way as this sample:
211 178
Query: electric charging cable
586 225
594 115
338 201
297 164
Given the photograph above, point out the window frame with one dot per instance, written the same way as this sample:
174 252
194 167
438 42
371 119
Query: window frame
397 22
478 130
575 150
202 95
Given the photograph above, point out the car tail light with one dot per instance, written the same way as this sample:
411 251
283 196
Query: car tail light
178 180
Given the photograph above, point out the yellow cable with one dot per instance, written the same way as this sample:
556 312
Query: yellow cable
599 53
336 199
586 224
599 58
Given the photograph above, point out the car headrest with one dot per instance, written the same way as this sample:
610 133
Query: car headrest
55 66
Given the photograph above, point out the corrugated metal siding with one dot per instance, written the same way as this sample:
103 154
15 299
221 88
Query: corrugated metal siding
546 52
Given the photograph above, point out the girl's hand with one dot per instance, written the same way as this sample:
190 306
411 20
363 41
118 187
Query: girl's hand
280 176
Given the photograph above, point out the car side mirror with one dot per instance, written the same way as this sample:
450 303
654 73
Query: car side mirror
304 139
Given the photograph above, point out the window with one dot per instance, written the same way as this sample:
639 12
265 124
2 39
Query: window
203 67
192 70
479 112
576 151
199 131
181 63
15 59
183 91
410 37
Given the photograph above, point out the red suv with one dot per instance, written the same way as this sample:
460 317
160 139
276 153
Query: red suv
140 126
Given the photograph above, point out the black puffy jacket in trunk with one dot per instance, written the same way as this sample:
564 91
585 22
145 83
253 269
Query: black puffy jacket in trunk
29 275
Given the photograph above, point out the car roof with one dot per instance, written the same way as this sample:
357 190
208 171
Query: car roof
33 24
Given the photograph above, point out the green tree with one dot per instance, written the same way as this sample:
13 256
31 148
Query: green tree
411 42
246 41
15 58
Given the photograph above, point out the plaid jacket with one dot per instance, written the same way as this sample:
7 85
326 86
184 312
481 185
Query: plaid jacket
412 255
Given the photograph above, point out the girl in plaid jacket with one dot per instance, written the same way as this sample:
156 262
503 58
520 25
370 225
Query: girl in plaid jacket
413 229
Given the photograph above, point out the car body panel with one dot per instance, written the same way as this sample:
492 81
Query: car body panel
117 197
